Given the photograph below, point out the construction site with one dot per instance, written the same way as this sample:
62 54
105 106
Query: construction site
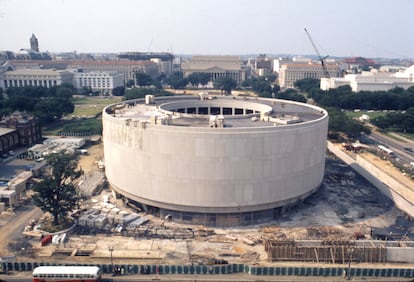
347 220
346 217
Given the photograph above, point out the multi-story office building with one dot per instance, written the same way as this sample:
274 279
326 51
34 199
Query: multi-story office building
291 72
164 60
372 80
34 77
103 82
216 66
125 67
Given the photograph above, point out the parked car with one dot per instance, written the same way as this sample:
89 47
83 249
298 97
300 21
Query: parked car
409 149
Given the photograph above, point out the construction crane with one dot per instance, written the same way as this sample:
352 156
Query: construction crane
321 59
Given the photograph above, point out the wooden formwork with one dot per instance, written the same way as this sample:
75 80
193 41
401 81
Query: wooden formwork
324 251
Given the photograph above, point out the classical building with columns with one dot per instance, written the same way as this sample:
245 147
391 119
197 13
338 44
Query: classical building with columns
34 77
216 66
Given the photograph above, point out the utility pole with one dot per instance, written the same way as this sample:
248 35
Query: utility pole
111 249
350 251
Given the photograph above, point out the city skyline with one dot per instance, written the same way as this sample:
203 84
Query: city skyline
339 28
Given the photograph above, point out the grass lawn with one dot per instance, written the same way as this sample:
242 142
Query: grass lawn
91 106
372 115
84 107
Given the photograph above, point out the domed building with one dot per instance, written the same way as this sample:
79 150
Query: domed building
214 160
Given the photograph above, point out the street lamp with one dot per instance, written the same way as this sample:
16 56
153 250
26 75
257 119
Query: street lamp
111 249
350 251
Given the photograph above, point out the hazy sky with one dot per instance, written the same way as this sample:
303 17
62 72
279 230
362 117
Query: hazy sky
371 28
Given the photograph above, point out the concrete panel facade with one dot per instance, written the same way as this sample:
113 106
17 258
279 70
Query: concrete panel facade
215 170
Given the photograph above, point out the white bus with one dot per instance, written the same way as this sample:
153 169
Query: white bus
67 274
385 151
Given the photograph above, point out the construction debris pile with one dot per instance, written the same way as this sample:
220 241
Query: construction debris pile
108 217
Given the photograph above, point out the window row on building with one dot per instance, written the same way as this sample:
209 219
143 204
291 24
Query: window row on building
28 82
291 72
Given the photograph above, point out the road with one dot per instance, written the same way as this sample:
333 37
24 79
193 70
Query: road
11 226
397 146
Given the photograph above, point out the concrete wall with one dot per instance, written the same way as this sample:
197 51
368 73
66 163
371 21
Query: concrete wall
201 169
405 255
402 196
396 191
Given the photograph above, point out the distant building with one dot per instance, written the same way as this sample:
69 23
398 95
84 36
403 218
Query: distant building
292 72
34 43
127 68
26 126
261 65
15 190
9 140
34 77
372 80
6 66
277 63
40 64
358 64
103 82
216 66
162 59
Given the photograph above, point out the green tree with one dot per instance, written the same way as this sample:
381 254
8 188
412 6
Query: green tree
130 83
225 84
143 79
21 103
86 90
340 122
291 94
50 109
204 78
276 88
176 80
118 91
198 78
57 194
307 84
63 92
137 93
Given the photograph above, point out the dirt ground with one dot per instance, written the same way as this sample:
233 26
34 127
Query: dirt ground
95 153
344 205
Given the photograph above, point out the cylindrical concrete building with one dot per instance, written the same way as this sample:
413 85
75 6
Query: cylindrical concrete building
214 160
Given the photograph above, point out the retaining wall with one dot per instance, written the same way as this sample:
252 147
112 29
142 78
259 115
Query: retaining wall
400 194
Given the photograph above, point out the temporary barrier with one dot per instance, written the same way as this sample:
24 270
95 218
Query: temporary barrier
228 269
